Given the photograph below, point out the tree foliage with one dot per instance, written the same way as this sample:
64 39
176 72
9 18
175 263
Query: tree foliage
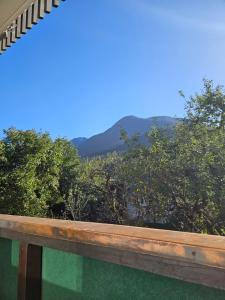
177 182
33 172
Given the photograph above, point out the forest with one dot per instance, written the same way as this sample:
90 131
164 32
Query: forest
176 182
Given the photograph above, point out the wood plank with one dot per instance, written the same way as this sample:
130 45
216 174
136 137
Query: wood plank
13 33
30 272
4 44
35 12
187 256
29 17
48 6
24 22
8 38
18 27
41 9
66 229
1 51
55 3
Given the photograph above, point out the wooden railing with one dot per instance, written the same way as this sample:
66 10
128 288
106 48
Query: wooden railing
190 257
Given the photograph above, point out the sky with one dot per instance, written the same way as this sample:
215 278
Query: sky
90 63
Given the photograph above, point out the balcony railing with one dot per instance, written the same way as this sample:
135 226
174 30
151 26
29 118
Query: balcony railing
56 259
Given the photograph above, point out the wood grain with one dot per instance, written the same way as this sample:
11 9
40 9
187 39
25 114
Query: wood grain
192 257
30 272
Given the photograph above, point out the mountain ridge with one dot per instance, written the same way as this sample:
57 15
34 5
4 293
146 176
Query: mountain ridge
109 140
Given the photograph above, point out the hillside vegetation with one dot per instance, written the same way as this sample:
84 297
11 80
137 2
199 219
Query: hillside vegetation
178 182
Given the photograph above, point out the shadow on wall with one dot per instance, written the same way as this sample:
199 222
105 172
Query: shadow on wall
68 276
9 258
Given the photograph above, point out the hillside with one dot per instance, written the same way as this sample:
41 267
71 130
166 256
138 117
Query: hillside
109 140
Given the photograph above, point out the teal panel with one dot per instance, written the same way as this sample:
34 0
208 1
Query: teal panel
68 276
9 259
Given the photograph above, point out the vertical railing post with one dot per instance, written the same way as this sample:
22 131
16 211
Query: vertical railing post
30 272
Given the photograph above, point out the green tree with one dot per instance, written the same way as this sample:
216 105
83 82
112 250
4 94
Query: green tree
31 172
99 191
180 179
208 108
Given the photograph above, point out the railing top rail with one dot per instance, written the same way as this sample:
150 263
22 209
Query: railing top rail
71 230
187 256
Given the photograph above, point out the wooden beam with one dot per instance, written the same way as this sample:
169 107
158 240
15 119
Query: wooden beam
1 46
41 9
48 6
197 258
13 33
2 43
30 272
35 12
4 47
29 17
55 3
8 38
24 22
18 27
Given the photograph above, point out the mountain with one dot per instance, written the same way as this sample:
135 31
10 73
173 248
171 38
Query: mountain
109 140
78 141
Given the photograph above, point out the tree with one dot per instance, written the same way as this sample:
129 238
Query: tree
199 164
99 192
177 180
31 172
209 107
180 179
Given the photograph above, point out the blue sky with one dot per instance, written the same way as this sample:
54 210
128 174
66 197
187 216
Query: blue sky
89 63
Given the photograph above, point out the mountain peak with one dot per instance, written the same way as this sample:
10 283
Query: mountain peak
126 119
109 140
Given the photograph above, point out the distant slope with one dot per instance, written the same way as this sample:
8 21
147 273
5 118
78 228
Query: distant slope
109 140
78 141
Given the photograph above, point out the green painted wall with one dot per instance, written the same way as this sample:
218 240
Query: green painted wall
9 259
68 276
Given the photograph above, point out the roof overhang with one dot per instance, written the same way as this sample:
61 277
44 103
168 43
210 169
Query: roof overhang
18 16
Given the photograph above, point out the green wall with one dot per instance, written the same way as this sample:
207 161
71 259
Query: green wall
9 259
68 276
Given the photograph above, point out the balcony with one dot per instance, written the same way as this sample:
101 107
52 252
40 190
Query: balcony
54 259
